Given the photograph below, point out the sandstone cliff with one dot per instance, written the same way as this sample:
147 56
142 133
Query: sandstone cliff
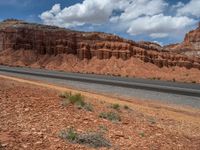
190 46
42 40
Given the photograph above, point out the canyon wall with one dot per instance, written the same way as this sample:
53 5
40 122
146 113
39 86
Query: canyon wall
41 39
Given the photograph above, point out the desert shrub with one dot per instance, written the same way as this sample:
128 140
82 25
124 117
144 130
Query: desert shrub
75 99
92 139
115 106
110 116
88 107
65 95
65 102
69 134
126 107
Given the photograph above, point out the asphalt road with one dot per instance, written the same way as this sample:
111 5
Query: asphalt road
169 92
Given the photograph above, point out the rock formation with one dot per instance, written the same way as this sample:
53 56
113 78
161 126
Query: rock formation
52 40
190 46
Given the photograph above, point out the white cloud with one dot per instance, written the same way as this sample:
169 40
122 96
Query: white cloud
178 5
159 26
88 12
142 7
160 43
55 9
158 35
191 8
136 17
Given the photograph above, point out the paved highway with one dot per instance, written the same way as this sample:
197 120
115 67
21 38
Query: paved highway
178 93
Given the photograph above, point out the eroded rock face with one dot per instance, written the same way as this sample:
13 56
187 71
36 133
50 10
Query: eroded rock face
192 39
53 41
190 46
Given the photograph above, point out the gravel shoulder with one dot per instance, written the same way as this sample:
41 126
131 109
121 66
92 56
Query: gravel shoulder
32 116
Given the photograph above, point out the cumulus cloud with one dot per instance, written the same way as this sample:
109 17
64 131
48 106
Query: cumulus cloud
159 26
142 7
135 17
191 8
88 12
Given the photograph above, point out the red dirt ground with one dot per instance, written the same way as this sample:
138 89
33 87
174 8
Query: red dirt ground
32 116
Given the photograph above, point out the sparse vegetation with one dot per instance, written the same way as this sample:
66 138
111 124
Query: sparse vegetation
65 94
174 80
102 128
88 107
92 139
112 116
142 134
69 134
115 106
75 99
126 107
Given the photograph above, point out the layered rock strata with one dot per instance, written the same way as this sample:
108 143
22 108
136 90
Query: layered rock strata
51 40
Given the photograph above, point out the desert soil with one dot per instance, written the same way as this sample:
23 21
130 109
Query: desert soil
130 68
32 116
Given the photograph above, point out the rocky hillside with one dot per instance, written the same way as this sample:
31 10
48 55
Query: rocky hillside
49 40
190 46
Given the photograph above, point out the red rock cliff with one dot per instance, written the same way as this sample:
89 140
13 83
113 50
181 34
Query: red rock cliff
190 46
51 40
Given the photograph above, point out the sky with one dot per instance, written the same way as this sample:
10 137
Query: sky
161 21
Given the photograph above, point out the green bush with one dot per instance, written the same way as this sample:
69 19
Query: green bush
115 106
69 134
110 116
75 99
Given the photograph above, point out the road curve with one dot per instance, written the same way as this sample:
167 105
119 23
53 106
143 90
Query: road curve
151 85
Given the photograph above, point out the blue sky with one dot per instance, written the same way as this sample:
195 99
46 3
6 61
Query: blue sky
162 21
